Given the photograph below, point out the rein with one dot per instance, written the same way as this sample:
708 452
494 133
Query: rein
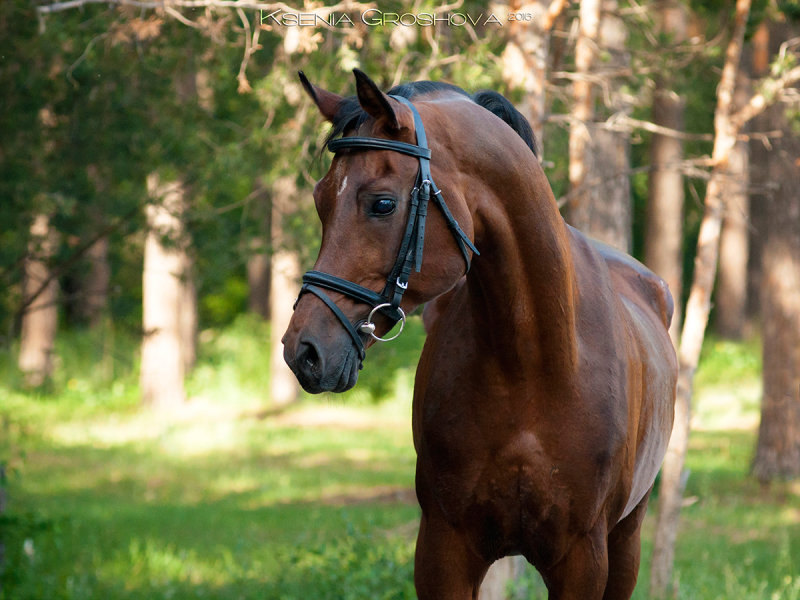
410 253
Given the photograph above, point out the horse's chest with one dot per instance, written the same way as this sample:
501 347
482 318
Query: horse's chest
518 479
504 493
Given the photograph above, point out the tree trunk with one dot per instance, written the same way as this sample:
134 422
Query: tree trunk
762 188
610 201
259 276
582 114
163 295
187 311
283 292
501 572
664 226
169 294
192 86
778 448
672 476
760 192
600 194
731 294
608 211
93 302
525 57
259 262
40 318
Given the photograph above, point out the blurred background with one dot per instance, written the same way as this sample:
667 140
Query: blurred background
156 166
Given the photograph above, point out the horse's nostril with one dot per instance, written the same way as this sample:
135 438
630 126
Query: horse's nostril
309 357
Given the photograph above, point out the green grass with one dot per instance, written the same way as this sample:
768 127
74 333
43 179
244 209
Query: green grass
217 503
224 500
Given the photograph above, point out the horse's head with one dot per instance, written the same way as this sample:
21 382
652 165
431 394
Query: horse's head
373 207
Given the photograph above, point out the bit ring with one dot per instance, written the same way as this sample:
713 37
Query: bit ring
369 327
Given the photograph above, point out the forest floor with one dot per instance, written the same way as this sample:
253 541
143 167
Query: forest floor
222 499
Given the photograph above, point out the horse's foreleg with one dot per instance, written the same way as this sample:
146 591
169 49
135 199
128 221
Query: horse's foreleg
582 573
624 548
445 568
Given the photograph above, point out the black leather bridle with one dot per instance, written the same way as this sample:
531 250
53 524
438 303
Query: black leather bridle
410 253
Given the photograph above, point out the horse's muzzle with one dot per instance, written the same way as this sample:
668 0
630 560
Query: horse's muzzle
322 369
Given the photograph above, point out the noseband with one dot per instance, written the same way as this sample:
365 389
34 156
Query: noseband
410 254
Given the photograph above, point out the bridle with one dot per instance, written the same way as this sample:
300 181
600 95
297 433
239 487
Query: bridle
410 253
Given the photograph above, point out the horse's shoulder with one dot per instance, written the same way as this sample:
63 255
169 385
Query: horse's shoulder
631 277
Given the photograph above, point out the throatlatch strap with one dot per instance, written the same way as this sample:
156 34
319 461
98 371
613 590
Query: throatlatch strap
462 239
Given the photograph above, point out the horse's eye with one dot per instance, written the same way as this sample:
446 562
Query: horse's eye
384 206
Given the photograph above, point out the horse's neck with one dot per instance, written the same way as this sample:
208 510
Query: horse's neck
522 287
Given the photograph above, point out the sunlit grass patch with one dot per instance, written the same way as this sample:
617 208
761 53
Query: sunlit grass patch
726 362
153 517
728 386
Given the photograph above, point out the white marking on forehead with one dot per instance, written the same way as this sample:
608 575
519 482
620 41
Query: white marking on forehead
342 186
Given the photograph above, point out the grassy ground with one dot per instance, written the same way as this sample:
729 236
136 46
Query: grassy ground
222 499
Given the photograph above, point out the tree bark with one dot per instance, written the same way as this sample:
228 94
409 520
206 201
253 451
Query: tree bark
778 448
760 183
93 300
169 294
731 294
163 295
610 202
283 291
600 203
259 269
188 310
501 572
664 226
40 318
766 42
259 262
582 113
672 476
608 211
525 56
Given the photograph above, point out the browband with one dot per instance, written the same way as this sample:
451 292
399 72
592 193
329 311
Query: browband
368 143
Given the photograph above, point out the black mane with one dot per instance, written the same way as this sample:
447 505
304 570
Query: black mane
350 115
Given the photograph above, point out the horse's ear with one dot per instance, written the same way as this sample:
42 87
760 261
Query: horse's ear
376 104
327 102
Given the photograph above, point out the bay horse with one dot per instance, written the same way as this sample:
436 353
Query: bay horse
543 399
